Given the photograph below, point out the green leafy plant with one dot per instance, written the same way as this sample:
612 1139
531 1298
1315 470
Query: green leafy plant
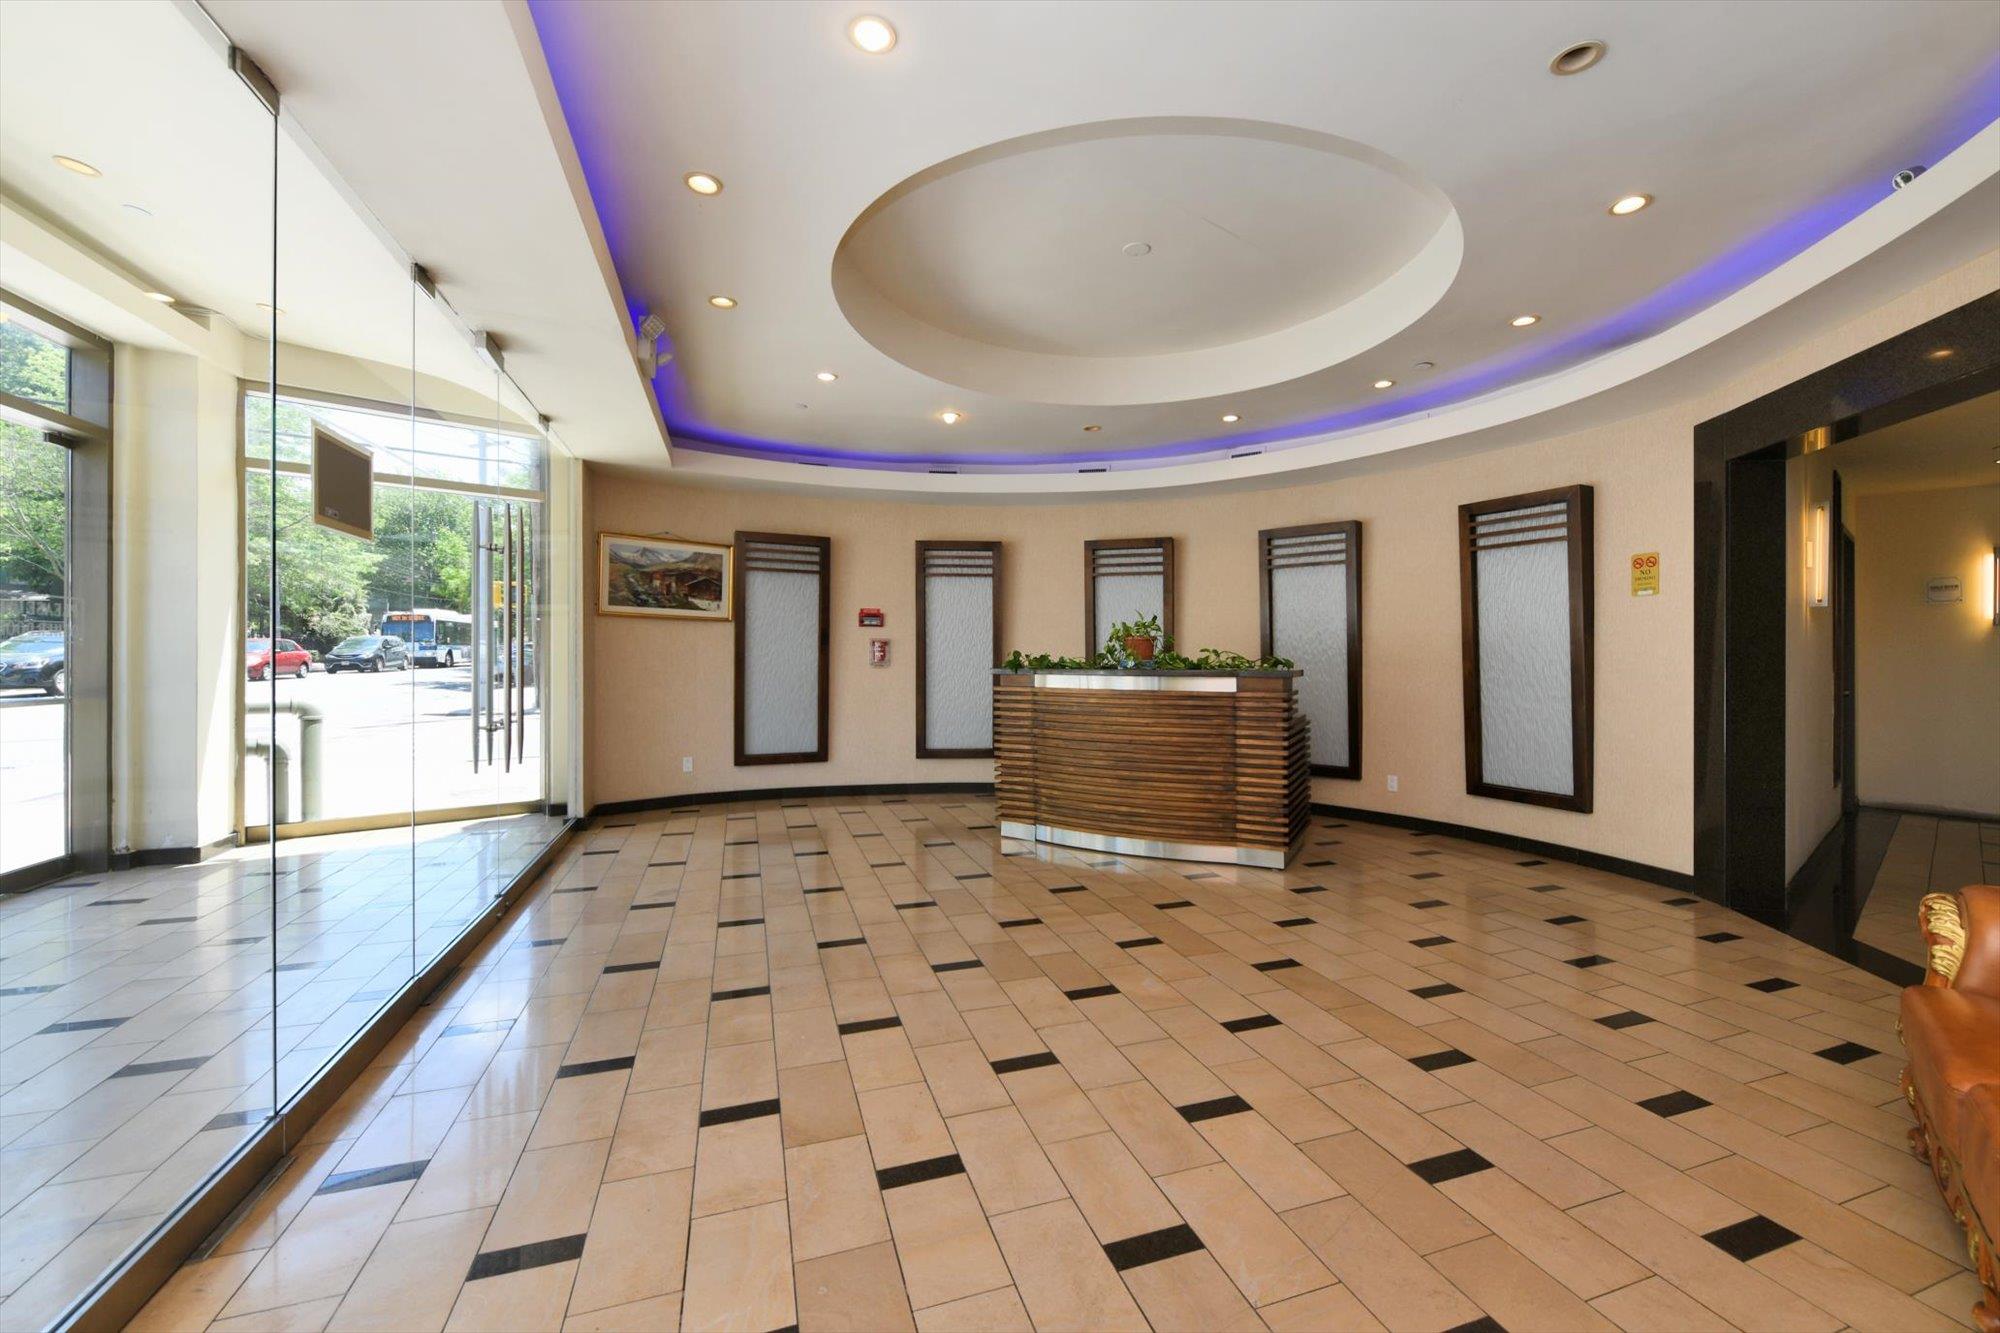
1113 657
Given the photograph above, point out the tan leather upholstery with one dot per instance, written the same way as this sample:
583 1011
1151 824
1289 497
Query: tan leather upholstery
1979 916
1979 1151
1954 1044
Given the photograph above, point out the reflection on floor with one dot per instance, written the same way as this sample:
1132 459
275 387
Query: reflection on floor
1925 854
136 1042
859 1064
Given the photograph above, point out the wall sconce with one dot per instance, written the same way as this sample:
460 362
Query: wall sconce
1994 581
1819 556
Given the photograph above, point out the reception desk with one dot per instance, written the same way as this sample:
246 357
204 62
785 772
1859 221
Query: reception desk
1189 765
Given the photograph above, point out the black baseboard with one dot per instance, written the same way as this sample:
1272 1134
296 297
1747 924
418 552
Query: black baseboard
1617 865
603 808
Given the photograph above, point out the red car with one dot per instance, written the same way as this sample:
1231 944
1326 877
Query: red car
292 660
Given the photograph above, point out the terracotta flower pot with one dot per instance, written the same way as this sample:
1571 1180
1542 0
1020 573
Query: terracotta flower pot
1140 646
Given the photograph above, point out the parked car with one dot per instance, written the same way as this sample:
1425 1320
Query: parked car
33 661
292 660
369 652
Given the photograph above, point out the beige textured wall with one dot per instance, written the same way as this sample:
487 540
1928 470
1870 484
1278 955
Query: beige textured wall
656 691
1927 678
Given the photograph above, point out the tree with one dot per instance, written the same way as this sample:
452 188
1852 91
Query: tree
323 575
34 473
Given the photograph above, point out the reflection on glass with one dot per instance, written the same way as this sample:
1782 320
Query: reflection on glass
34 525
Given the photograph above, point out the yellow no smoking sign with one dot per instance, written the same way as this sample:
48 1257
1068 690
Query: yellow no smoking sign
1646 574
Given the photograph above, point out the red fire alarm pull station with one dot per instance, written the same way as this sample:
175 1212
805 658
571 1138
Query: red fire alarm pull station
878 652
871 616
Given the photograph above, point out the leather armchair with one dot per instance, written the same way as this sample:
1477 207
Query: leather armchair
1950 1027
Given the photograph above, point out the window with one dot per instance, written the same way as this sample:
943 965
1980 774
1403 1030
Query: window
1526 584
781 636
958 645
1310 611
1127 578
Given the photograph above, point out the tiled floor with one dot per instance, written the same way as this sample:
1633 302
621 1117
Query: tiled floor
137 1047
858 1064
1926 854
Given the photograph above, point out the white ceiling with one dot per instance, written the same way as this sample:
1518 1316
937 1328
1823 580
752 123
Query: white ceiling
1757 135
1954 447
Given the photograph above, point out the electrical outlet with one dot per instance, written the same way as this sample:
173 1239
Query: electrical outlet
687 763
1392 782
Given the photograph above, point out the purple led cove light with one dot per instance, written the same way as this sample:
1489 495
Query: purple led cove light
1678 299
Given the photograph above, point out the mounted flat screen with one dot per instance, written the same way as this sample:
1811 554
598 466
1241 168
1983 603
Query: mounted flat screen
958 645
1526 589
1126 578
1310 609
781 648
343 484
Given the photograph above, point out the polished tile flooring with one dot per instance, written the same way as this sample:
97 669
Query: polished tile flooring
1926 854
137 1042
859 1064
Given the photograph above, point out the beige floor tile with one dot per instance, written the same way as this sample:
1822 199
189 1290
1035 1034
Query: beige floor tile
739 1164
1514 1291
1658 1306
656 1132
1007 1165
1408 1205
1558 1178
1331 1309
1190 1291
817 1103
998 1311
961 1078
195 1294
320 1253
551 1194
739 1273
305 1317
855 1291
1570 1252
1831 1282
1112 1189
835 1204
411 1281
1155 1132
1392 1280
1054 1107
1062 1275
903 1125
1263 1256
662 1314
637 1249
1270 1162
530 1298
944 1242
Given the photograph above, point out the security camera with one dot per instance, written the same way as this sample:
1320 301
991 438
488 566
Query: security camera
1905 176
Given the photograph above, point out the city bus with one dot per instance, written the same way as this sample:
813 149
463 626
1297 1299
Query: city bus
436 637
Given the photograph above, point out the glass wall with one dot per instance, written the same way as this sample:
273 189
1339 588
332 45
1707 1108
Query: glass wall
331 750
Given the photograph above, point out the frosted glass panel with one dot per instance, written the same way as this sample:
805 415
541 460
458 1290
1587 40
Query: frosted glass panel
780 662
1127 597
958 663
1524 662
1309 625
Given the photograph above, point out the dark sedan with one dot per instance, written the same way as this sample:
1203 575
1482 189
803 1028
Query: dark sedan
369 652
33 661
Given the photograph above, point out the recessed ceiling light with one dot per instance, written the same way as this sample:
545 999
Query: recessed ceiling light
1425 365
1523 321
702 183
1135 249
1093 428
1939 353
1630 204
723 302
78 165
826 377
1577 58
873 35
1230 418
1385 384
951 418
161 297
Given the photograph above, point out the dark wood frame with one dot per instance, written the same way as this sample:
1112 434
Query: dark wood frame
1740 587
743 541
1351 529
1091 640
1580 533
924 548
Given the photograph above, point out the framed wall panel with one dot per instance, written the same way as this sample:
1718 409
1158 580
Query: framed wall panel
958 645
1526 588
1126 578
1309 610
781 601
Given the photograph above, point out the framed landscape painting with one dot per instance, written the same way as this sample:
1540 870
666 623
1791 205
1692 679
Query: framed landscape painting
662 576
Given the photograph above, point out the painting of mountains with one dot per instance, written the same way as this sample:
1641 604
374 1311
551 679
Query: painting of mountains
662 576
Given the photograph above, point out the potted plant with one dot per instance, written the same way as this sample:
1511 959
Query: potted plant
1139 638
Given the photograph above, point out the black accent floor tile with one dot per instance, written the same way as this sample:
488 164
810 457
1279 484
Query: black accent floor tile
1847 1052
869 1025
1771 985
977 874
1429 874
1443 988
1677 1102
474 1029
581 888
1567 920
1021 921
1152 1247
1531 863
1067 888
744 874
829 888
914 1173
298 967
1486 1323
167 920
1431 941
746 921
602 851
1089 992
544 944
25 990
1310 888
115 902
1429 903
1251 1023
1013 1064
1719 937
1278 965
729 1115
1176 903
1625 1018
515 1258
1198 874
959 966
1588 960
379 1175
161 1067
1314 865
583 1067
238 1119
1450 1166
1678 902
1139 943
653 966
906 907
1436 1060
655 865
1753 1236
646 907
740 993
840 944
82 1025
1195 1112
1544 888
